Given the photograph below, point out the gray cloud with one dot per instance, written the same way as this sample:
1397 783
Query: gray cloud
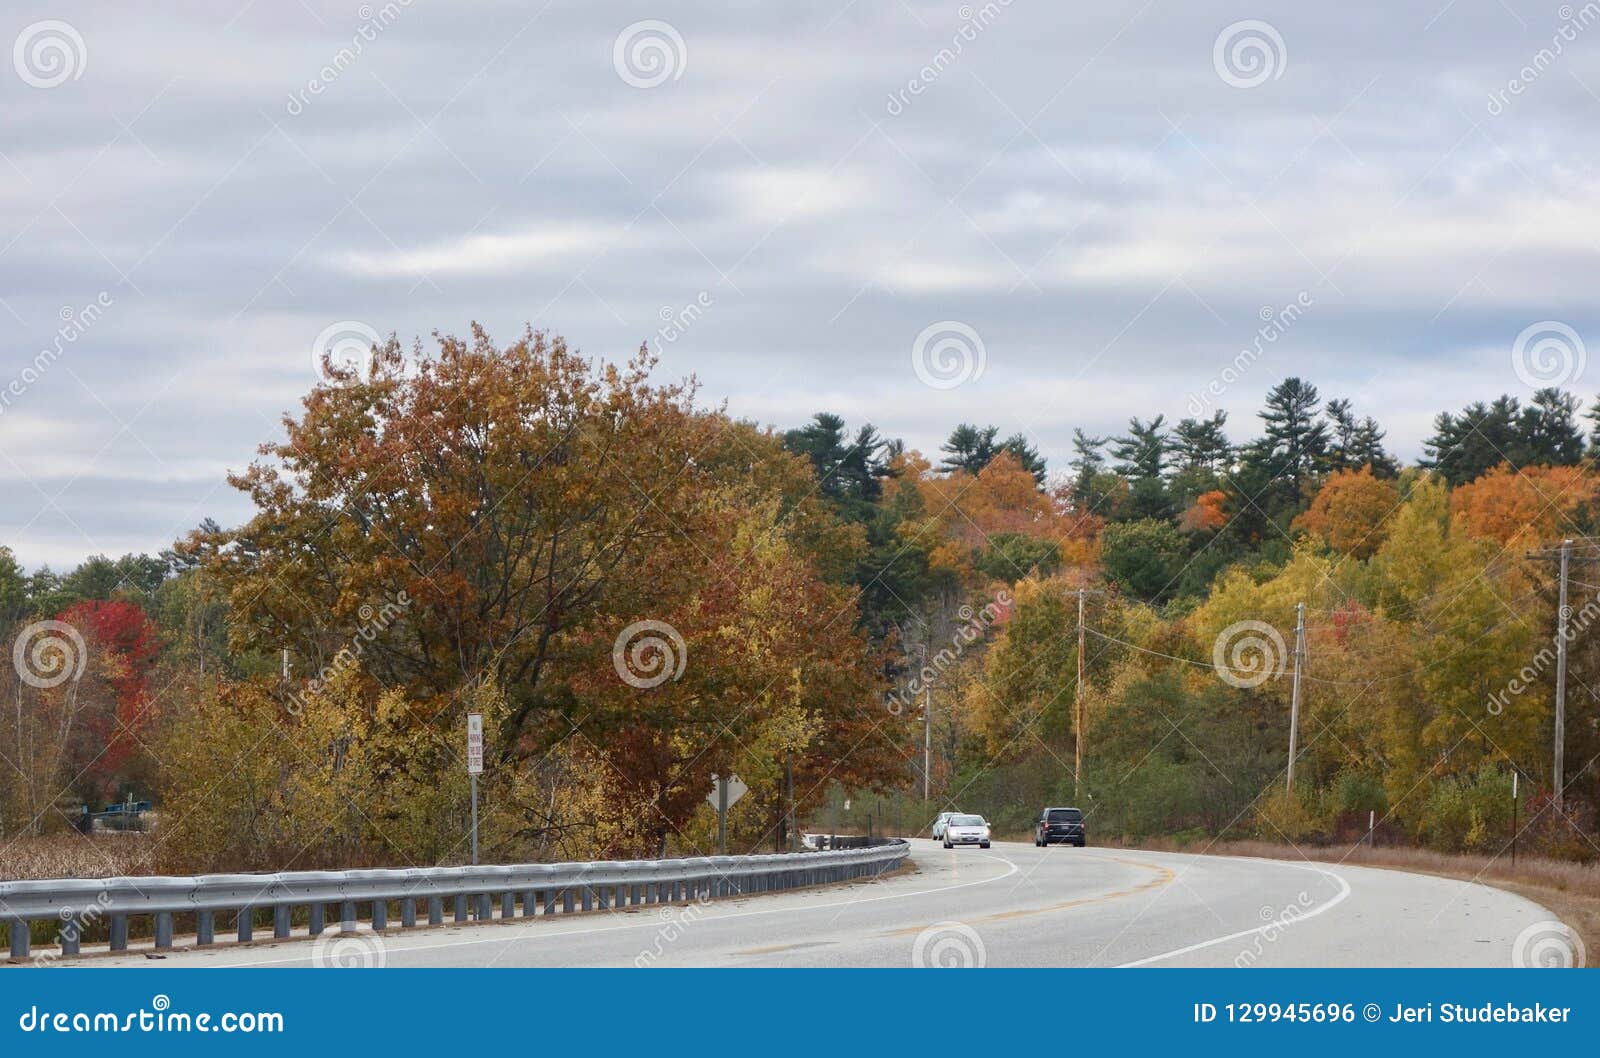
1081 187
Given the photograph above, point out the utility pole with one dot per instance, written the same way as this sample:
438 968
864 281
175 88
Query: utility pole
1562 613
927 741
1294 698
1077 710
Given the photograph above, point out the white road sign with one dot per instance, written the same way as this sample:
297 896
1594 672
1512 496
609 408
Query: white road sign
474 743
736 790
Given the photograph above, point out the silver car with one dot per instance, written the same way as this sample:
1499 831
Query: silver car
940 823
966 830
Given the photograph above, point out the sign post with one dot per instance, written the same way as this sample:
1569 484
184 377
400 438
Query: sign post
474 769
724 794
1514 776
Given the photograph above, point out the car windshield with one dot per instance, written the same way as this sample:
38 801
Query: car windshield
967 821
1066 815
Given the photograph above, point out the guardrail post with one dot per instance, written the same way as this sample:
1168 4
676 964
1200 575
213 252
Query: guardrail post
71 936
205 928
530 903
347 916
247 924
461 907
380 915
549 901
485 908
163 930
566 901
316 913
280 920
588 898
603 896
508 904
435 910
119 933
19 938
408 912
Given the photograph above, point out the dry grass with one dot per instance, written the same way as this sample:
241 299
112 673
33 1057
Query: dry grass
1570 890
75 856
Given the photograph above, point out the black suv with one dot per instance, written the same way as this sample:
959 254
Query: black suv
1059 826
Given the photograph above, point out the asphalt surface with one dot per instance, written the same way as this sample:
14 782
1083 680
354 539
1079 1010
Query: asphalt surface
1012 905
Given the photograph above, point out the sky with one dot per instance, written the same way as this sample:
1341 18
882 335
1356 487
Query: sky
1041 215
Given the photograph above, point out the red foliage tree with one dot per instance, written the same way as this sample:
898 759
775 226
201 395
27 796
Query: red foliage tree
126 645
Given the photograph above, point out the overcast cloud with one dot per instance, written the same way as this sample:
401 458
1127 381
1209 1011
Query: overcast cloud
1104 199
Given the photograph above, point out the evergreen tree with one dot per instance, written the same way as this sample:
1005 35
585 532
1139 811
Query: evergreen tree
1357 443
969 448
1295 440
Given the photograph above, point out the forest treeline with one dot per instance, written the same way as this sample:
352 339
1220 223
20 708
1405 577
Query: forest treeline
639 592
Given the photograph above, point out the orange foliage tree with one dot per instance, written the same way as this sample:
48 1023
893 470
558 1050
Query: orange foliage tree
1351 511
1532 504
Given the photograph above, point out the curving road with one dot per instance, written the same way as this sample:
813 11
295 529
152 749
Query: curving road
1014 905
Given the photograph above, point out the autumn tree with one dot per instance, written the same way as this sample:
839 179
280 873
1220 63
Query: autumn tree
630 573
1350 511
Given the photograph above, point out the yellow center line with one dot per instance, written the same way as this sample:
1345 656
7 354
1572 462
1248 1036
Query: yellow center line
1164 877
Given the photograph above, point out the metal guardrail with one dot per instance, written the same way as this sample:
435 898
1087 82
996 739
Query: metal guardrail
472 891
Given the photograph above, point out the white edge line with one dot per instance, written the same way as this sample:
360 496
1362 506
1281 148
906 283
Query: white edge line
1344 891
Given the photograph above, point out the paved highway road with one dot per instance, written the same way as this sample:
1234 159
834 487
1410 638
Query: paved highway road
1014 905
